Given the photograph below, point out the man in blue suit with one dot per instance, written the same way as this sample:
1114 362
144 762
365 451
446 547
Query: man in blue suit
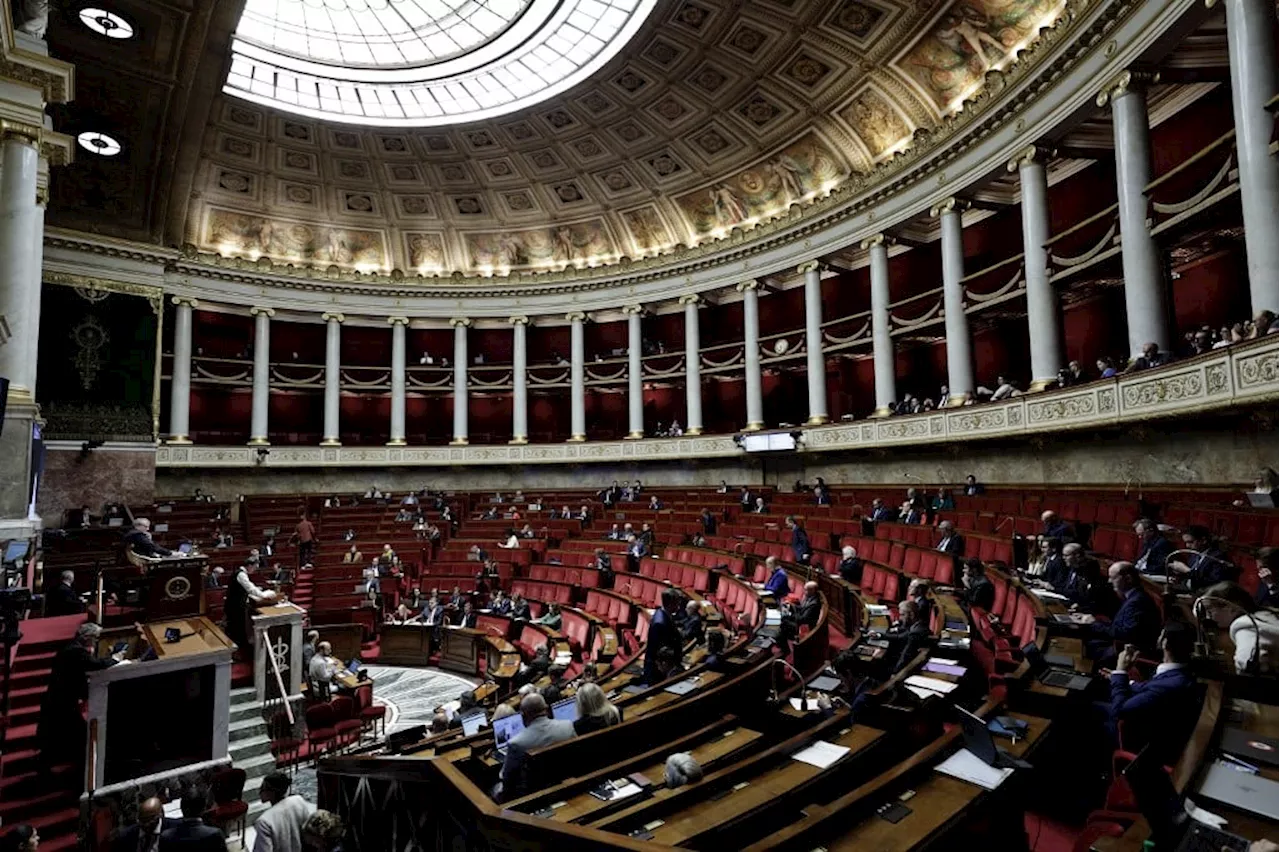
1136 622
776 584
880 512
1161 711
800 547
664 632
1153 547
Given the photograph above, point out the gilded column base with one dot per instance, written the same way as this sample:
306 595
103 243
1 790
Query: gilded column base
817 420
519 440
459 442
634 436
178 439
397 442
331 442
881 412
259 441
576 439
753 426
693 430
1038 385
20 395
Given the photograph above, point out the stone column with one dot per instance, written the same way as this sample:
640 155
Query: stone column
398 325
751 354
261 375
815 363
460 400
332 379
959 345
635 372
1044 313
1146 296
692 366
519 380
1251 48
881 339
21 253
577 377
180 384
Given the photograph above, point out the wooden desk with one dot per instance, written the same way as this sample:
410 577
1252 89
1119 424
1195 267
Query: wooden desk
405 645
199 636
460 649
657 700
502 660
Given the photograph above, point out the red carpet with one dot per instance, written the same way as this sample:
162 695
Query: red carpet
1045 834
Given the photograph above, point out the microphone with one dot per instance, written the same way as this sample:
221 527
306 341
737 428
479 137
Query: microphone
773 684
1202 649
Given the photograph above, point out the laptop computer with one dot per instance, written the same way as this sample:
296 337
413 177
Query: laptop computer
978 740
1163 809
472 722
353 666
1065 680
565 710
683 687
1260 501
504 729
1255 748
185 547
1243 791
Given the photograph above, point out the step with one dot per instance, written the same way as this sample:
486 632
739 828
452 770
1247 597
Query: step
242 712
23 715
31 678
245 749
256 768
28 696
21 808
19 761
247 728
36 660
55 823
18 737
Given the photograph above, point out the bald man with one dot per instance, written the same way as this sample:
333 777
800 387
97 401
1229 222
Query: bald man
144 836
809 610
539 730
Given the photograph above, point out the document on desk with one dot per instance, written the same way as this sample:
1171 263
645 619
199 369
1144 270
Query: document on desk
820 754
772 617
967 766
931 683
876 610
1046 595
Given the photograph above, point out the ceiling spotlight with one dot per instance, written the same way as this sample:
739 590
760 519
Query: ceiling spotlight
106 23
98 143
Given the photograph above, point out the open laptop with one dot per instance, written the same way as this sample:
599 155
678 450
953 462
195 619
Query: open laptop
1043 666
1255 748
1260 501
565 710
1163 809
1245 791
353 666
978 740
504 729
472 722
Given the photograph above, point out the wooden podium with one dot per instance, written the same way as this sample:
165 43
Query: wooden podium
277 647
460 649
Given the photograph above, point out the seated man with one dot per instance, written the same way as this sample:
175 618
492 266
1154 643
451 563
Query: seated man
433 612
691 628
1153 547
667 665
950 541
979 592
63 599
1163 710
322 671
881 512
1055 527
973 488
468 616
908 637
1268 593
539 730
809 610
1084 585
920 591
139 540
1206 565
850 566
520 610
1136 622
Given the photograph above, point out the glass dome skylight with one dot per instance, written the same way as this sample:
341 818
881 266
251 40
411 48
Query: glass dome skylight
422 62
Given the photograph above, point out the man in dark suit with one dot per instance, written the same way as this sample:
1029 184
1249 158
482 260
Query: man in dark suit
139 539
908 637
663 632
1153 547
692 628
144 835
1055 527
1207 564
881 512
801 549
604 564
708 522
468 617
1136 622
1161 711
191 834
979 592
63 599
949 540
809 610
1268 593
850 565
746 498
1084 584
973 488
61 730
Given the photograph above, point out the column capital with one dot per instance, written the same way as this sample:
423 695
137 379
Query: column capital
397 320
1130 79
189 301
576 316
1032 154
21 131
460 322
949 205
880 239
690 299
744 286
520 320
637 310
809 266
333 316
258 311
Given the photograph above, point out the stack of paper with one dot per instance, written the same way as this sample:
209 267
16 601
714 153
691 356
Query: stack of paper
967 766
772 616
820 754
877 609
1045 594
932 684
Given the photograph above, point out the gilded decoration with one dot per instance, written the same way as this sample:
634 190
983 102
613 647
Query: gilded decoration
250 235
569 243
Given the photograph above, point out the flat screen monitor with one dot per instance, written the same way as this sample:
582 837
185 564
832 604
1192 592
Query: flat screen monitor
15 550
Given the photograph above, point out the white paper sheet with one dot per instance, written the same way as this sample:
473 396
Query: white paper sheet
1045 594
933 683
944 661
922 693
877 609
967 766
809 704
820 754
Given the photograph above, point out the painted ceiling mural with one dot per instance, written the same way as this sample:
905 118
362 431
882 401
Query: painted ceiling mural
717 116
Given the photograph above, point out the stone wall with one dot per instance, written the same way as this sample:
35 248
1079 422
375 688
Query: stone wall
1223 452
116 471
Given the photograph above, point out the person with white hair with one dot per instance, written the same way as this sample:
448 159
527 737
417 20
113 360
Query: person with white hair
682 769
61 730
140 542
595 711
63 599
850 565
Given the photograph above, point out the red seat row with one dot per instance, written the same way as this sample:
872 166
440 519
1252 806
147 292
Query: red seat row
586 577
613 609
544 591
677 573
575 627
705 558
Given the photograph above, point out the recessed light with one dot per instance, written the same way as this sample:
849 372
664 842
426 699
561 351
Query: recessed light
98 143
106 23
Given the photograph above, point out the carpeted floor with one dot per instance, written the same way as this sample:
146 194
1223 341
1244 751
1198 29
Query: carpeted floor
411 695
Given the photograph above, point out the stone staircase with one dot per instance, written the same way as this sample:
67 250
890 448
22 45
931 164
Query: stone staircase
250 746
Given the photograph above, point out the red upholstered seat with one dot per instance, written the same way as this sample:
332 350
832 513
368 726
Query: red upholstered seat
321 732
346 721
227 790
370 714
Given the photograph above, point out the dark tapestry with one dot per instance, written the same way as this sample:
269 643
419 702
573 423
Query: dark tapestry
96 371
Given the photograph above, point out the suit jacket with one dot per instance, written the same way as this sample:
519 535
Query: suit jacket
515 767
908 643
1160 711
808 611
709 524
1055 573
142 544
469 620
62 600
279 827
1152 554
777 584
433 615
1060 529
1266 595
1095 597
800 547
953 544
192 835
982 595
851 570
127 839
693 630
975 489
1208 568
1136 622
663 633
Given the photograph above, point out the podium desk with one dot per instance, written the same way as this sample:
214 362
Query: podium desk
460 649
405 644
277 635
197 636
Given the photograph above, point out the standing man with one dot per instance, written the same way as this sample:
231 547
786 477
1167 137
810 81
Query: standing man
800 547
279 828
144 835
663 633
61 730
242 598
191 834
306 533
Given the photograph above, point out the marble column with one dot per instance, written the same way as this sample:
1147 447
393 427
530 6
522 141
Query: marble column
1251 49
398 326
1146 295
577 377
1044 312
751 354
180 384
519 380
635 372
816 362
21 253
460 400
332 379
959 344
261 375
881 338
692 366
